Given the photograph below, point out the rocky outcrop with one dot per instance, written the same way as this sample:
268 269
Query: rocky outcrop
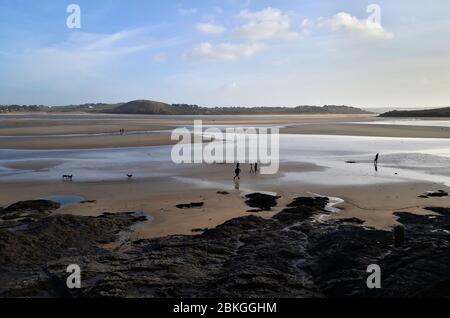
261 202
31 239
36 206
434 194
291 255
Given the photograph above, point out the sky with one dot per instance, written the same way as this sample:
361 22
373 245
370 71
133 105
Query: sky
388 53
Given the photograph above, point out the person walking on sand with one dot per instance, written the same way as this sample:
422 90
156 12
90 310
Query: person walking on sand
376 159
237 173
251 169
256 167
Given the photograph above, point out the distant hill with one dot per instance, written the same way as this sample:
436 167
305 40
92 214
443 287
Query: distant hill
148 107
330 109
157 108
438 112
141 107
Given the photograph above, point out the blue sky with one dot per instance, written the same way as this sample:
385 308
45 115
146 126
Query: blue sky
227 53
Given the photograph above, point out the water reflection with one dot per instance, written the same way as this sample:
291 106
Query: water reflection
412 159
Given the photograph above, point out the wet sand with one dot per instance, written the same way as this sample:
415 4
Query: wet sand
158 197
86 142
86 131
370 130
373 204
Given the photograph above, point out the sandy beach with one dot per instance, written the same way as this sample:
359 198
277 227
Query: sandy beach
374 204
102 131
158 195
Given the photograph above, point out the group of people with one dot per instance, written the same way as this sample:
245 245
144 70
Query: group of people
254 168
237 171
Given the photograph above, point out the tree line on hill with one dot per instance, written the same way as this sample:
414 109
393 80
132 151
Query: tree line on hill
147 107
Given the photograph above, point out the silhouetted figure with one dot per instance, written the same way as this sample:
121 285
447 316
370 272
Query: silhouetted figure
251 168
256 167
375 162
237 173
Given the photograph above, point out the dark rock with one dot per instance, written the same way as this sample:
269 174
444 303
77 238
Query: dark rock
290 255
443 211
436 194
137 216
88 201
399 236
34 206
223 192
350 221
28 246
316 202
190 205
263 202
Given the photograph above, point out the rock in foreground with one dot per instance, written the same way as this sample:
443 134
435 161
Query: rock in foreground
290 255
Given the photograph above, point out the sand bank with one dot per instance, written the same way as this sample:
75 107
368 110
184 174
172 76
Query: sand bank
375 204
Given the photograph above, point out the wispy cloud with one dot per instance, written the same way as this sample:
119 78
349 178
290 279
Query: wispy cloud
82 55
345 22
210 29
270 23
206 52
187 11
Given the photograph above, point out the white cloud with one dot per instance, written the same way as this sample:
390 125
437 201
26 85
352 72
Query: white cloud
187 11
211 29
206 52
306 27
127 41
160 58
364 28
270 23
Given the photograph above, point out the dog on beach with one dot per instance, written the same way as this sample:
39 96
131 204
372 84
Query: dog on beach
67 177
